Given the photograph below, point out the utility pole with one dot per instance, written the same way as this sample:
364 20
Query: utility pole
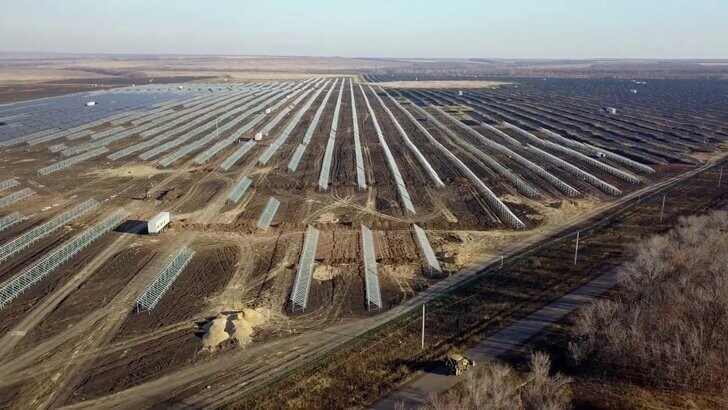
501 265
720 176
423 327
576 248
662 209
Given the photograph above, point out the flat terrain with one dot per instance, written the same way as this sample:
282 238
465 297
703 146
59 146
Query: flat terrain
483 171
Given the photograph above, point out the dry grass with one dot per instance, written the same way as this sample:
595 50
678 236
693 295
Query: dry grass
500 387
440 84
10 75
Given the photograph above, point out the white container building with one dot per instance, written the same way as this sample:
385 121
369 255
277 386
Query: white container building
91 103
156 224
611 110
258 136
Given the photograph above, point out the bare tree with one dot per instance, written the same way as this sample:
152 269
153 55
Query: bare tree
499 387
669 326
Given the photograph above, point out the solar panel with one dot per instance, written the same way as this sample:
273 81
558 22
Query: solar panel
371 275
72 161
268 213
235 156
239 190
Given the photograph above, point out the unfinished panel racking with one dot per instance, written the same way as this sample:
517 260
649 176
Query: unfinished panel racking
39 232
16 197
302 282
371 274
391 163
157 288
32 275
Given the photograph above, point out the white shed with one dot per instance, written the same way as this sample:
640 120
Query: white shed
258 136
91 103
156 224
611 110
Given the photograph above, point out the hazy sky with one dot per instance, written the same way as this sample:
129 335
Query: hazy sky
372 28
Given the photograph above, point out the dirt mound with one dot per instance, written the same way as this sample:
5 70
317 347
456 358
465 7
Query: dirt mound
239 327
325 272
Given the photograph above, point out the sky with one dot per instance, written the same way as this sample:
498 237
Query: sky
371 28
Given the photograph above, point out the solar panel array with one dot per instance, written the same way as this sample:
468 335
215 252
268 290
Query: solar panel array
393 168
16 197
57 148
278 142
8 183
525 188
188 117
317 116
371 275
236 155
88 146
621 159
268 213
329 152
433 265
159 286
293 163
72 161
32 275
502 211
32 236
10 220
175 156
301 149
557 183
204 156
361 181
420 158
239 190
20 140
201 124
623 175
54 116
106 133
302 282
574 170
500 133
